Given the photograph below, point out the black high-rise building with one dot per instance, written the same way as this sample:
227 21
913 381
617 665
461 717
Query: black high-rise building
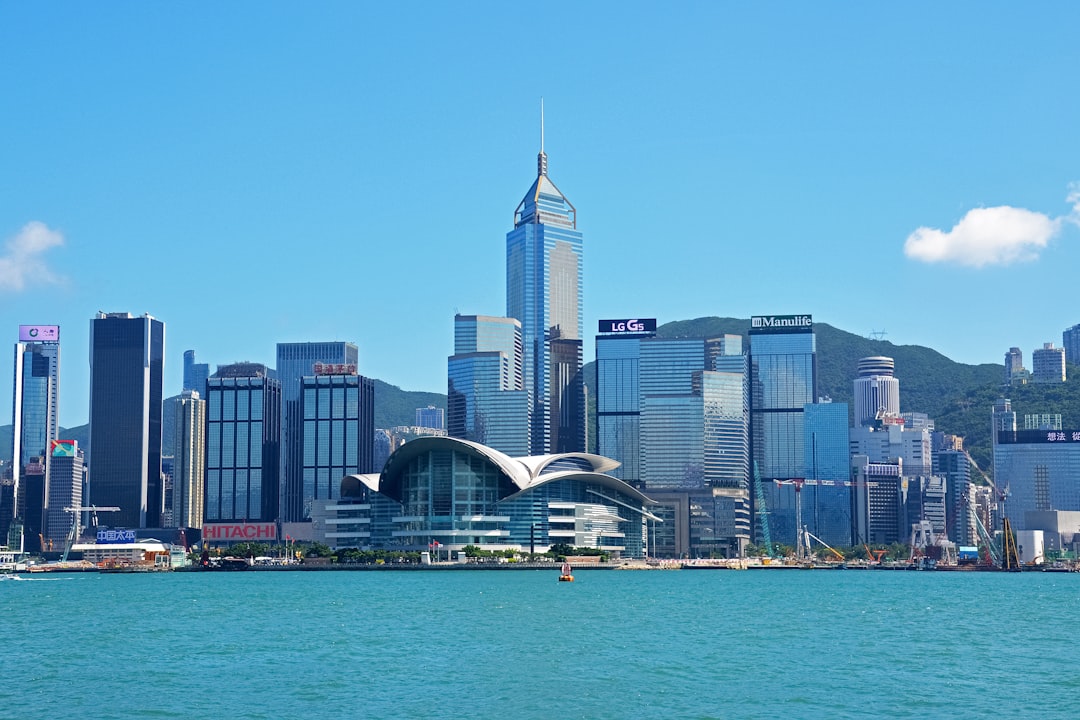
126 366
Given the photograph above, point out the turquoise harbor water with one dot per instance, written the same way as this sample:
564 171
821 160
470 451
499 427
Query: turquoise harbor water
519 644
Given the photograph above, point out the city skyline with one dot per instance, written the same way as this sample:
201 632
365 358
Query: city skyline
727 160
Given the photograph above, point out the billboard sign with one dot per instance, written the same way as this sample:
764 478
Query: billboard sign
334 368
39 333
634 325
111 537
1038 437
239 531
781 324
63 448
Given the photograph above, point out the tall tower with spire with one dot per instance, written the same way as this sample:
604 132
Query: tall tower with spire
544 293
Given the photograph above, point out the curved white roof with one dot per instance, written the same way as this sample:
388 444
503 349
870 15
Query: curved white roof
523 473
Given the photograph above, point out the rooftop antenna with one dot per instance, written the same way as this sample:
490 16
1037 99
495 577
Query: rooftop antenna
541 160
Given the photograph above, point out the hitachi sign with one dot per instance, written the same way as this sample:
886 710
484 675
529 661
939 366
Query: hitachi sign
781 322
239 531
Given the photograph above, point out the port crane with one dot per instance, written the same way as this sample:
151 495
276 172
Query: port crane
76 511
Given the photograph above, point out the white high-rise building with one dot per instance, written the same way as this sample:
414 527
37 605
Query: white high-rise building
1048 364
877 392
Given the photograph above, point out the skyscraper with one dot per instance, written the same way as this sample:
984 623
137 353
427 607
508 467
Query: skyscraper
486 396
295 361
36 424
243 430
618 397
67 474
783 380
826 508
339 430
877 392
126 363
195 374
544 293
188 412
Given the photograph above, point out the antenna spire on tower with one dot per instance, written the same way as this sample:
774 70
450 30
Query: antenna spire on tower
541 159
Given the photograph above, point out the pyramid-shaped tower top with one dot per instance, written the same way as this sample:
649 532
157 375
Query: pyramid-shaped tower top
544 203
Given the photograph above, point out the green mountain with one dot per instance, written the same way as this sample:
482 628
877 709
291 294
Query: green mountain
393 407
956 396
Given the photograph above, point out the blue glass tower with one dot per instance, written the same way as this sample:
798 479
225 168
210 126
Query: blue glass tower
36 423
783 380
544 293
486 396
826 507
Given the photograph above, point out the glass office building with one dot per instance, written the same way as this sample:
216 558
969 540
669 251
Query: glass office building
339 431
693 429
195 374
127 356
295 361
826 502
35 425
1041 468
544 293
243 431
486 396
783 380
618 397
67 475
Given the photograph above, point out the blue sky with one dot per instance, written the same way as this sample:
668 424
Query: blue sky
254 173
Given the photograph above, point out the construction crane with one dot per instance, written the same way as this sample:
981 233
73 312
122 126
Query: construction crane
810 536
874 555
763 517
73 534
802 547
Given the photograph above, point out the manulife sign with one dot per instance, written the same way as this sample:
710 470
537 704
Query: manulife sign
781 324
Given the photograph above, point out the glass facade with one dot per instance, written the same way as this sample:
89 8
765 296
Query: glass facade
36 423
486 398
783 380
295 361
338 433
544 292
195 374
1041 469
618 403
826 508
126 364
243 426
693 427
954 466
438 490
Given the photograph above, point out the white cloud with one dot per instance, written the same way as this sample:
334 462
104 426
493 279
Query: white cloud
985 236
22 261
992 236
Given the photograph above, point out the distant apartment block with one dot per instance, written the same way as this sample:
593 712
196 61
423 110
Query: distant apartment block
1070 339
1014 366
431 417
1048 364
